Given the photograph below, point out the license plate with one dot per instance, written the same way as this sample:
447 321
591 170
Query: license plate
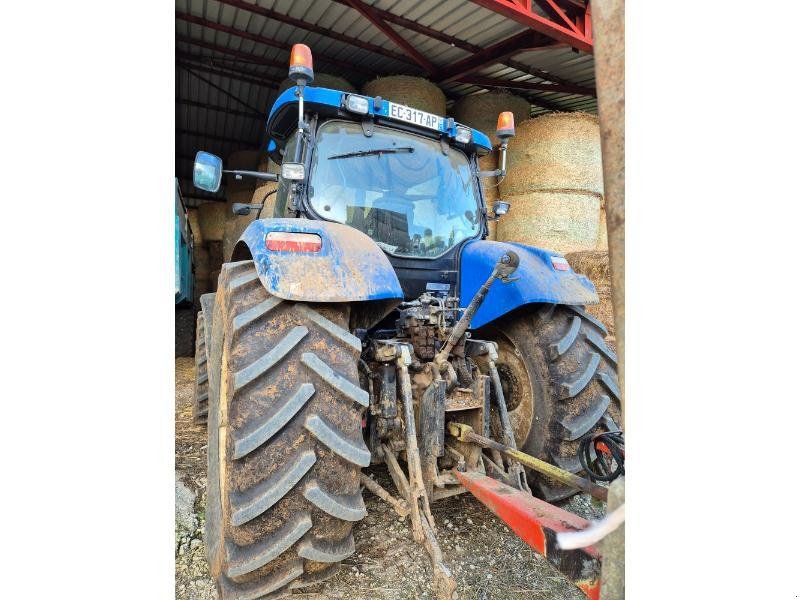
412 115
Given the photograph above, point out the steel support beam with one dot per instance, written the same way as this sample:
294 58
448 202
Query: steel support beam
406 23
300 24
557 14
493 54
337 64
366 11
522 12
220 89
224 109
253 78
526 85
243 56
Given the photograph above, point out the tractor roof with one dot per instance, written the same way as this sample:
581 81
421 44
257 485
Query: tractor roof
282 120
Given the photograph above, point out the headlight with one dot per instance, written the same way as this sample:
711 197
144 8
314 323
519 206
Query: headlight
293 171
357 104
463 134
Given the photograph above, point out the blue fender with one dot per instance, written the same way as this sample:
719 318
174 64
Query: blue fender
534 281
349 267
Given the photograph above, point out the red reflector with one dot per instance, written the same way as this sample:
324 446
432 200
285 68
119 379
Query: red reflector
559 263
287 241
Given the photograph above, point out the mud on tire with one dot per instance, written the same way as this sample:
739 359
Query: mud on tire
285 441
200 404
560 382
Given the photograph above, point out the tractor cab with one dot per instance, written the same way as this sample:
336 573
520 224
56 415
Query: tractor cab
406 178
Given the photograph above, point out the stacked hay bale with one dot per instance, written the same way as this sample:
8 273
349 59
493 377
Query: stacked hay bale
323 80
554 182
263 193
410 91
480 112
208 237
194 223
594 264
238 190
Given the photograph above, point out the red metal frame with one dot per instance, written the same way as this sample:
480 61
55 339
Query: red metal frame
537 522
522 12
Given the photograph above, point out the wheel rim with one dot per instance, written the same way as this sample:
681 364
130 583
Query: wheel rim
517 388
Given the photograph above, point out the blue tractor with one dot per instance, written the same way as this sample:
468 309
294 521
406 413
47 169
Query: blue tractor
364 315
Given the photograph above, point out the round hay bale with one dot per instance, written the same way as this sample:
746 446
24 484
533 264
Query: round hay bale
255 194
211 216
557 151
323 80
410 91
594 264
480 111
562 221
490 190
265 187
239 191
194 223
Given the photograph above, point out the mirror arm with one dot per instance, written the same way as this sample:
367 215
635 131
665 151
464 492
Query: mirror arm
254 174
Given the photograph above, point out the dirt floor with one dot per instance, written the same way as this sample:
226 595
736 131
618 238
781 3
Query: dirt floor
488 561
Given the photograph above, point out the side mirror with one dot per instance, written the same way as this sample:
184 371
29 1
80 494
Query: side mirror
207 174
500 208
240 208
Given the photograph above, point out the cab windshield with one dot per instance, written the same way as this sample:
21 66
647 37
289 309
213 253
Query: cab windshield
400 189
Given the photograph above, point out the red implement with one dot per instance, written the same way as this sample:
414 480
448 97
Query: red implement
537 522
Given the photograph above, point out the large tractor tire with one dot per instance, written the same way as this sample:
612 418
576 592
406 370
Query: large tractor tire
202 385
285 444
559 379
200 405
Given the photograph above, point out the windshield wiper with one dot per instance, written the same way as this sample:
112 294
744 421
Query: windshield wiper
377 151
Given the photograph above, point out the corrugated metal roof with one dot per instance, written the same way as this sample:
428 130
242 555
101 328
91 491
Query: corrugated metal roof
230 60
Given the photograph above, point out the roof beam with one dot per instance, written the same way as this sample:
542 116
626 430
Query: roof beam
406 23
243 56
525 15
224 109
220 89
457 43
492 55
557 14
546 75
254 78
526 85
300 24
338 63
369 13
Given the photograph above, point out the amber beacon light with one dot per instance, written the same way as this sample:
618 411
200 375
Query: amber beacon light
505 125
301 65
